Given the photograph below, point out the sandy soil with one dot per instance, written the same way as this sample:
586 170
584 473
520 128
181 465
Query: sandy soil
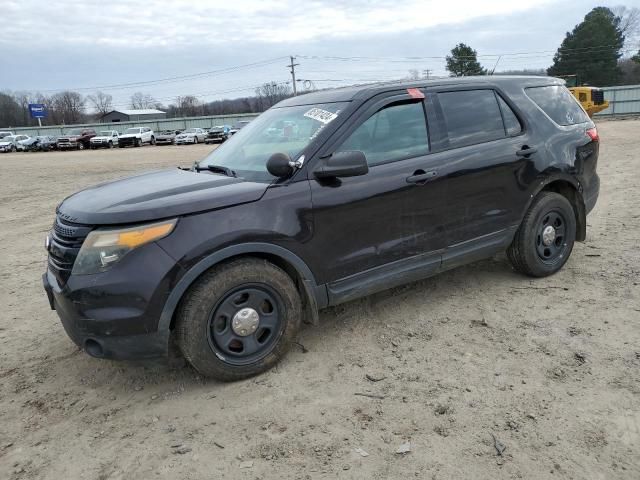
549 368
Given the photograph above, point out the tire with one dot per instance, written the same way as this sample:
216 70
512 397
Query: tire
535 254
195 140
110 145
13 149
138 142
80 146
153 141
204 318
120 146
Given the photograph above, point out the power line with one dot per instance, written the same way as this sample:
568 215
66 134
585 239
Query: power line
180 78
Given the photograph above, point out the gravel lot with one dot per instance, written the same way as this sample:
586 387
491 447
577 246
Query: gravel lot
550 368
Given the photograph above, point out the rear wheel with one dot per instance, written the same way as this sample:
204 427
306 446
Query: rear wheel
546 236
239 319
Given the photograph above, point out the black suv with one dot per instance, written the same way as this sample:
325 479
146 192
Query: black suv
367 188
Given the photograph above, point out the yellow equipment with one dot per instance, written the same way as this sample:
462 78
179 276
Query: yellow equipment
591 99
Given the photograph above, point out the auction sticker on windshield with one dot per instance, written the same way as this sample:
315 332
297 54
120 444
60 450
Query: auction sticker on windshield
322 116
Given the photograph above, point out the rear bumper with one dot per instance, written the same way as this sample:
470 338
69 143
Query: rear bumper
591 194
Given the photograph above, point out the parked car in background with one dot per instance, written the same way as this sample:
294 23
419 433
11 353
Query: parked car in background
167 137
236 127
191 135
35 144
6 134
136 136
105 139
218 134
77 139
10 142
20 144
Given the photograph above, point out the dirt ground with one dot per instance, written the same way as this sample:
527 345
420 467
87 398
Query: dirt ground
550 368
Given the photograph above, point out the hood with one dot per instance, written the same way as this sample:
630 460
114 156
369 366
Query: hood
130 135
69 137
5 144
156 195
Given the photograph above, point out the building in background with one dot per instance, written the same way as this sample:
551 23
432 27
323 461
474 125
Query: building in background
133 115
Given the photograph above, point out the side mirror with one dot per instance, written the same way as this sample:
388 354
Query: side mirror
342 164
279 165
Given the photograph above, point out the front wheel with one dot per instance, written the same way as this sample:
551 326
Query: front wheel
138 142
545 239
239 319
110 145
153 140
195 140
80 146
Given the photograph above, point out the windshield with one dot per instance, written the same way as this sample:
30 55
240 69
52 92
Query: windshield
75 131
106 133
279 130
132 130
190 130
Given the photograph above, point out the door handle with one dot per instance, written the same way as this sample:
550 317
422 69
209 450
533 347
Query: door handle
421 178
526 151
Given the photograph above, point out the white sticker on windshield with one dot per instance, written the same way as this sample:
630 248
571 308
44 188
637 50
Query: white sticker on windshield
322 116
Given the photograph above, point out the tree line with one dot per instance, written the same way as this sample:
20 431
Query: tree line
69 107
593 52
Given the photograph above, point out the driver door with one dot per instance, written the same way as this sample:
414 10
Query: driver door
373 230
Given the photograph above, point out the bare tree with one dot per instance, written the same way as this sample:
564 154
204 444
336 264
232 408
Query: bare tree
271 93
629 22
101 102
188 105
69 106
141 101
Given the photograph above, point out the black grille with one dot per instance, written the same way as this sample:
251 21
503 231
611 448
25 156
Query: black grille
66 240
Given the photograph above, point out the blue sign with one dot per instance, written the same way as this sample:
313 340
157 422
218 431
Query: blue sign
38 110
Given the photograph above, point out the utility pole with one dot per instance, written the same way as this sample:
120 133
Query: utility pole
426 73
293 66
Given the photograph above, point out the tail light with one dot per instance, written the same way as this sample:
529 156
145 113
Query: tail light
593 134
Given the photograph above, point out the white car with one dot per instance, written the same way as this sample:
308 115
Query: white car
10 142
137 136
6 134
20 144
191 135
105 138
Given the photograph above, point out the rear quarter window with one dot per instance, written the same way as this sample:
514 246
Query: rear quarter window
558 103
471 117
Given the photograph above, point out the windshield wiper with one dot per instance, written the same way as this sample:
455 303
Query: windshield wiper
215 169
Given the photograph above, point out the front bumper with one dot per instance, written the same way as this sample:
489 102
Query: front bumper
62 146
115 314
184 141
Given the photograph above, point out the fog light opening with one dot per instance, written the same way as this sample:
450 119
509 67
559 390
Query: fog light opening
93 348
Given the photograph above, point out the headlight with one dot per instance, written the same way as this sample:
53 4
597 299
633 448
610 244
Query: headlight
105 247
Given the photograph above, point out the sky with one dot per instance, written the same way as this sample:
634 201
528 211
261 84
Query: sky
224 49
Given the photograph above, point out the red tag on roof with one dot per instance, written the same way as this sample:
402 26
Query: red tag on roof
415 93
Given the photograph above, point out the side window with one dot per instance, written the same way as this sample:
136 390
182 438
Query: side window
471 116
396 132
557 102
511 123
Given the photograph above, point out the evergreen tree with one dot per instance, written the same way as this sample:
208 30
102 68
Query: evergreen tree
463 61
591 51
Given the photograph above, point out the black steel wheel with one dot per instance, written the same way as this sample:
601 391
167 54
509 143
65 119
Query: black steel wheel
239 319
245 324
544 241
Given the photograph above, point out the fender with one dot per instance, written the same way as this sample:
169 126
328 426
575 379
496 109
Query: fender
581 216
317 295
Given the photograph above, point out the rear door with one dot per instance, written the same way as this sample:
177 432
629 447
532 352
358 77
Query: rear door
390 214
482 152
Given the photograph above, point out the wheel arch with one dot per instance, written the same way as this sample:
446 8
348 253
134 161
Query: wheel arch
313 296
570 188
